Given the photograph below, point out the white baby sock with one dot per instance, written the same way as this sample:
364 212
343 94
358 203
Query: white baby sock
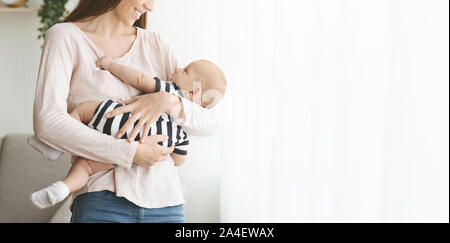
50 196
48 152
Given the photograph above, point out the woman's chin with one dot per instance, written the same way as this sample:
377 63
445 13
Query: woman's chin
129 22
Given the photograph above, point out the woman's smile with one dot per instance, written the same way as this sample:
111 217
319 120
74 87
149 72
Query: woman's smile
138 13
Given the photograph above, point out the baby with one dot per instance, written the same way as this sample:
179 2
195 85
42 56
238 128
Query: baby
201 82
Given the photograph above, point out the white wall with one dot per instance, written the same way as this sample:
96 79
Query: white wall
19 62
190 26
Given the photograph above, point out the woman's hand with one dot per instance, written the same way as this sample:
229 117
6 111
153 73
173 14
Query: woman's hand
146 110
150 152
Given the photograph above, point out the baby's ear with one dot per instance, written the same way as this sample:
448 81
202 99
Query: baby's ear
211 98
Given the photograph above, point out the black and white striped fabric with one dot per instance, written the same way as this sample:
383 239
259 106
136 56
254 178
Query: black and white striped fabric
163 126
169 87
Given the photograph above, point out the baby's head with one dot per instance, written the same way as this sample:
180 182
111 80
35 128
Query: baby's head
202 82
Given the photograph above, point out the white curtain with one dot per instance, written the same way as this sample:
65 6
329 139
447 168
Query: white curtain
336 111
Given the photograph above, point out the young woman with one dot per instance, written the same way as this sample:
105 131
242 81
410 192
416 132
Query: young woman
141 188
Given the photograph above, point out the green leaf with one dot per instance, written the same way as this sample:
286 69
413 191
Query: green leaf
51 13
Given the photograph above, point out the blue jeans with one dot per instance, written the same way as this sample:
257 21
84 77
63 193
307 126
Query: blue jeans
105 207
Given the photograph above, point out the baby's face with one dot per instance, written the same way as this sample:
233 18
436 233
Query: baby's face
181 78
202 82
185 82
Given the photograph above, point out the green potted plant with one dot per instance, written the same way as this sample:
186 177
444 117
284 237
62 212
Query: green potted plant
51 13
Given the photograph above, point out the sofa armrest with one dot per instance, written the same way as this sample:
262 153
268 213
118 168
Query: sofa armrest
23 171
63 214
1 142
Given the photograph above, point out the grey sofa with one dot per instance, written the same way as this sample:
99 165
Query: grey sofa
23 171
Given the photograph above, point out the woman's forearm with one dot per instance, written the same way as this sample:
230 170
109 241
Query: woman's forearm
64 133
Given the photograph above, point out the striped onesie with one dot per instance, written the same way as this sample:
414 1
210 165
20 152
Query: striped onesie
165 125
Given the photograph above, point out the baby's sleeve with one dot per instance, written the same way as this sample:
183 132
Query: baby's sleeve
169 87
182 144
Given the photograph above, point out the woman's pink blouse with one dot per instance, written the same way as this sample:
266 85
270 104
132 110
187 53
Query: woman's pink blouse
68 76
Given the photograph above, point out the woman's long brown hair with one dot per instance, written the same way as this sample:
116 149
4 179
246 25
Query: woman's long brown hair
87 9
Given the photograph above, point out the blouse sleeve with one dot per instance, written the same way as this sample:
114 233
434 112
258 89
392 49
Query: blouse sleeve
53 124
199 121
